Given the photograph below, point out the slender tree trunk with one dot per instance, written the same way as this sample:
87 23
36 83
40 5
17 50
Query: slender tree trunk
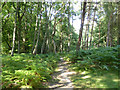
81 29
31 26
39 8
15 27
84 45
108 32
69 28
118 30
111 31
53 36
54 46
92 27
99 33
88 24
46 33
53 33
119 26
49 34
35 33
24 35
19 26
61 38
61 43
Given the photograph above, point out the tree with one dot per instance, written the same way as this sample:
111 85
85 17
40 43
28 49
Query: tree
88 24
92 26
15 27
81 29
69 39
39 25
46 32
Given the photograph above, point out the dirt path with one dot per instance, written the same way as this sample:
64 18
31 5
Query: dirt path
61 79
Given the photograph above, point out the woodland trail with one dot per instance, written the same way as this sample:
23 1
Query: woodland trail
61 78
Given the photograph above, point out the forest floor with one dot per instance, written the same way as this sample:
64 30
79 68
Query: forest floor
61 77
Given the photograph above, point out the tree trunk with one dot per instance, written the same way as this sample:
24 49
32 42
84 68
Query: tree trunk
111 31
92 27
19 26
84 45
24 35
88 24
53 33
46 33
81 29
99 33
49 40
39 8
69 28
119 25
108 32
15 27
119 30
35 32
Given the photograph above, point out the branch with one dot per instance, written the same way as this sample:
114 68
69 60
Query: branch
14 5
4 4
59 21
24 11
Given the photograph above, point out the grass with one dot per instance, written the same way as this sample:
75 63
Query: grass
97 79
96 68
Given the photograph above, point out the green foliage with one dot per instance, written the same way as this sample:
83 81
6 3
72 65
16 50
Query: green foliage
26 70
101 58
96 79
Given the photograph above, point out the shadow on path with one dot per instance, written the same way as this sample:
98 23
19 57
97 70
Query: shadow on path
61 78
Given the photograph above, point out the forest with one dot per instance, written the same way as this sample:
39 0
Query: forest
60 44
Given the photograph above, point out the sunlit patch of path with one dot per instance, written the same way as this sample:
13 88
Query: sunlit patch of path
61 79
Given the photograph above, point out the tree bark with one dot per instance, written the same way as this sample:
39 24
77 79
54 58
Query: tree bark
119 25
19 24
81 29
35 32
84 45
108 32
39 8
69 39
92 26
88 24
46 33
99 33
118 30
49 30
15 24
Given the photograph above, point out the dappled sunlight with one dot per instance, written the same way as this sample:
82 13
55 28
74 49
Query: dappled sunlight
98 79
95 79
86 77
62 75
116 80
84 72
25 70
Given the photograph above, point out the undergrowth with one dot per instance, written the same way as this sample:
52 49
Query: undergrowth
27 71
103 58
95 68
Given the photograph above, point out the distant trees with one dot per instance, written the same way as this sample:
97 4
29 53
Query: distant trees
44 27
35 28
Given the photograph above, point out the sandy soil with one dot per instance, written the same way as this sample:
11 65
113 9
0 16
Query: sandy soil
61 78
